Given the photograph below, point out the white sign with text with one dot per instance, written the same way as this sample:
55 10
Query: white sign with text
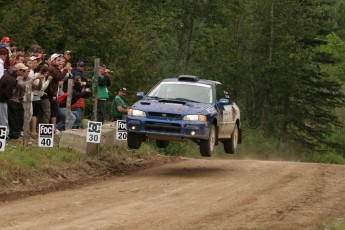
121 130
94 131
46 135
3 134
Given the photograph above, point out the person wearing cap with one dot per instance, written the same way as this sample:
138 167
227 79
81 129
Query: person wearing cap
20 50
19 56
7 84
6 41
67 55
103 95
58 73
32 52
85 84
119 105
15 106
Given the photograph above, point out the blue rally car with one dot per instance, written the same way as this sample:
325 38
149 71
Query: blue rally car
185 108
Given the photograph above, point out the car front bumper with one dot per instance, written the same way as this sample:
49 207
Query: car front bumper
171 128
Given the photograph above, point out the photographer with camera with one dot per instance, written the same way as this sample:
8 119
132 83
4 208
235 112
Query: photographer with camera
103 92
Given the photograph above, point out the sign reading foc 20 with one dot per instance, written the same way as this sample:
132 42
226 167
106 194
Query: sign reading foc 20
121 130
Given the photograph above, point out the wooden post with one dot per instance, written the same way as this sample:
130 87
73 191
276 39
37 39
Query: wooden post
95 88
68 102
27 112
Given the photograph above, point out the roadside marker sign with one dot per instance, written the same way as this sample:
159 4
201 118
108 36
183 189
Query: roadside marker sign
94 131
121 130
46 135
3 132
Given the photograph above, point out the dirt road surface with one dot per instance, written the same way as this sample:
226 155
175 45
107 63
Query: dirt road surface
193 194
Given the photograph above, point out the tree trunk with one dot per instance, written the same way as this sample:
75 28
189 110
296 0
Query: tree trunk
95 88
68 103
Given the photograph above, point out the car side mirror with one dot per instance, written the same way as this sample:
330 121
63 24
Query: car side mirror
141 95
225 101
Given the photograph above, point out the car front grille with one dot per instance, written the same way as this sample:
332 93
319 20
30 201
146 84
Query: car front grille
164 115
162 127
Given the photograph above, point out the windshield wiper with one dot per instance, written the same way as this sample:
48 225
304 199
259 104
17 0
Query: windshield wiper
153 97
183 99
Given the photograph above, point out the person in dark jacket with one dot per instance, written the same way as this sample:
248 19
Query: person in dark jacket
7 84
58 72
15 104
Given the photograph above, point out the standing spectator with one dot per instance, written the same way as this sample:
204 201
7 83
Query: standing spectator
37 105
67 55
6 60
45 101
103 95
15 106
79 79
79 71
32 52
3 57
20 51
66 65
119 105
13 50
7 84
58 74
46 60
6 41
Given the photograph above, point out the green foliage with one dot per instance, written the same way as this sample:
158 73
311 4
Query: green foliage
329 158
281 61
173 149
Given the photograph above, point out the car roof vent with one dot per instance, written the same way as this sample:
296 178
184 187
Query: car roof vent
188 78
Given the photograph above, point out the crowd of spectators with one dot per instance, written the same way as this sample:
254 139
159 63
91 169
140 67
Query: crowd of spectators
48 75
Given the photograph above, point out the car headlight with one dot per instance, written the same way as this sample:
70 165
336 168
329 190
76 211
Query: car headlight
194 118
137 113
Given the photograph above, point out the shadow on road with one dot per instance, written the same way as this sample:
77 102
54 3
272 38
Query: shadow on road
192 172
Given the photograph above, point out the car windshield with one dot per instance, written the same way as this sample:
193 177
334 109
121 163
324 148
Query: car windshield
187 91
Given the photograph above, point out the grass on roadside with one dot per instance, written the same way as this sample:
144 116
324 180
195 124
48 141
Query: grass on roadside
18 160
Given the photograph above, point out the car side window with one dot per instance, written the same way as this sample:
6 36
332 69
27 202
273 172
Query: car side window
219 92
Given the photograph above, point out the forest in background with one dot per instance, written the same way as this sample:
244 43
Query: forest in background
281 61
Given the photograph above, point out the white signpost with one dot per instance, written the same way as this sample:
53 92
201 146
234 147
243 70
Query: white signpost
94 131
121 130
45 135
3 132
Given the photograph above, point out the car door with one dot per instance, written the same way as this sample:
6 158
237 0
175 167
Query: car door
226 119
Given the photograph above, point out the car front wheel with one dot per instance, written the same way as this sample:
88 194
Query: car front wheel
133 141
207 146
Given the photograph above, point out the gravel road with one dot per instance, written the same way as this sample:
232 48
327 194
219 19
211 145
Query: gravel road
193 194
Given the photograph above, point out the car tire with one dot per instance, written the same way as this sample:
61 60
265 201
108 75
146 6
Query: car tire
207 146
162 144
133 141
230 145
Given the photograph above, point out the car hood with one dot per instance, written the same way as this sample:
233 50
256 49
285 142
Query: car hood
172 106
